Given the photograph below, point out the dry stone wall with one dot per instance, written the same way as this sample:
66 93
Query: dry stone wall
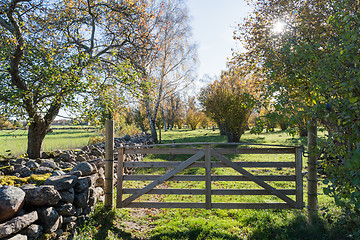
65 199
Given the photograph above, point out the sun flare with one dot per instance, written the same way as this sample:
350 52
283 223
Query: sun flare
279 27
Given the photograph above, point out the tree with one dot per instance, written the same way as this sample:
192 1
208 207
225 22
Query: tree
193 115
54 55
170 68
312 67
229 103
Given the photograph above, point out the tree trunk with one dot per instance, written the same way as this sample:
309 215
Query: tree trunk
233 137
159 134
222 129
153 130
36 135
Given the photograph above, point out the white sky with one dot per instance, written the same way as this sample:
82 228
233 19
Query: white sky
213 23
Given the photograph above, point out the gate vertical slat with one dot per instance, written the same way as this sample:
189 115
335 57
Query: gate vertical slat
208 176
120 177
299 180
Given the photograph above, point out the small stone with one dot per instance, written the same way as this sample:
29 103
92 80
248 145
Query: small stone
81 199
127 138
33 231
76 173
45 155
66 165
69 219
18 237
85 168
61 182
48 163
67 196
80 158
43 170
16 224
23 171
11 201
32 164
97 152
66 157
84 183
44 195
67 210
49 219
58 173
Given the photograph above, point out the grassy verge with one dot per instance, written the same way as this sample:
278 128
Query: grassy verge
217 224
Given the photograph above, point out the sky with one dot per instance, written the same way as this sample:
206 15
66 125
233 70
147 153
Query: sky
213 23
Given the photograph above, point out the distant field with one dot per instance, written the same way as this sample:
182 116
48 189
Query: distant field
15 141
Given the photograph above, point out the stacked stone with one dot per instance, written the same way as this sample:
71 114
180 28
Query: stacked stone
53 161
57 207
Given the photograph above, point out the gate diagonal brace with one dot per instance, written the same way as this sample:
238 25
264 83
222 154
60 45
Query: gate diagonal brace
165 177
253 178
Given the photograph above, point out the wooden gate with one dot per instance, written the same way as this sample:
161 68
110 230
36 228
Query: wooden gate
202 158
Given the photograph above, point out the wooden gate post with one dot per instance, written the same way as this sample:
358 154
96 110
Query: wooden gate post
109 163
208 176
312 170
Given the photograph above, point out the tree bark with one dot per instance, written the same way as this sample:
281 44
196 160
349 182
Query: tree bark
233 137
36 135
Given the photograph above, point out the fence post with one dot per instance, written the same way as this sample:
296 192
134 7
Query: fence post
312 170
120 178
299 177
208 176
109 163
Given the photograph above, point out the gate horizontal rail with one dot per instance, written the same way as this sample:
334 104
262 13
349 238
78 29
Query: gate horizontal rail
195 161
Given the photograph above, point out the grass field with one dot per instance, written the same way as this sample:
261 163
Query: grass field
15 141
216 224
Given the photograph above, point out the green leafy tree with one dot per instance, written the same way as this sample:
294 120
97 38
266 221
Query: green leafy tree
310 68
56 54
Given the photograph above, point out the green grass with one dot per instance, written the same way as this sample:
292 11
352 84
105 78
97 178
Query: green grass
218 224
15 141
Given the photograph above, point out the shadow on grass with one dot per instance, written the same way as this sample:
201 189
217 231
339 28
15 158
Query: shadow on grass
196 233
299 228
103 224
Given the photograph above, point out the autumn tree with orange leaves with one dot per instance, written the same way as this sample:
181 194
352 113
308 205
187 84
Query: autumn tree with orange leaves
229 101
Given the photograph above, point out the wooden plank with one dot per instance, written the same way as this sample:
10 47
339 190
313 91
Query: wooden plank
255 164
174 178
171 191
165 205
220 150
201 164
214 205
120 178
251 192
208 176
162 151
212 144
251 205
299 178
213 178
253 178
176 191
261 177
256 150
163 178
